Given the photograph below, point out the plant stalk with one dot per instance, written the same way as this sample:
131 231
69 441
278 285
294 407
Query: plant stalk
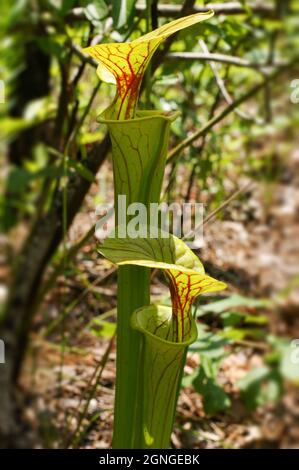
133 291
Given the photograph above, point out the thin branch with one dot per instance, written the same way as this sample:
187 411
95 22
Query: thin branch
263 67
226 59
83 64
223 90
227 8
84 57
70 308
184 10
212 122
80 122
58 269
222 206
154 13
92 389
225 203
165 10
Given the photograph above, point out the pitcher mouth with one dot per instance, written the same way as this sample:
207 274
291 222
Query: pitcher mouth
138 323
141 115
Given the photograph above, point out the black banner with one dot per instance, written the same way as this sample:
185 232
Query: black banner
131 459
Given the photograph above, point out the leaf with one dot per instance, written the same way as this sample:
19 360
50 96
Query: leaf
51 46
81 170
16 13
231 318
238 334
11 126
211 350
260 386
125 63
96 11
209 345
215 399
156 250
256 319
122 10
18 180
187 380
50 172
102 328
232 301
184 271
240 318
66 5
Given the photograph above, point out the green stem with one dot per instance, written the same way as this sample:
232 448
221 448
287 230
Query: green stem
133 291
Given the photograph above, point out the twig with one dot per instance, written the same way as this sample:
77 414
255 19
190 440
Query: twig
222 206
251 344
213 214
171 10
73 250
226 59
223 89
84 57
69 308
201 148
81 68
228 8
76 437
154 13
185 9
212 122
83 117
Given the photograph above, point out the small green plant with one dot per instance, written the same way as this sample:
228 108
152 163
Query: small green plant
151 340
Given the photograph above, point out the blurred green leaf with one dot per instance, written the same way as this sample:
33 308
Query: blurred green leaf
215 399
103 328
18 180
96 11
233 301
211 350
209 344
67 5
51 46
231 318
122 10
239 318
239 334
17 12
10 126
81 170
260 386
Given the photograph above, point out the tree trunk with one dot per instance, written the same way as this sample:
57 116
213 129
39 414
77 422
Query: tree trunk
41 244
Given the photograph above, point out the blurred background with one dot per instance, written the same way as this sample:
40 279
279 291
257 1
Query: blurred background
235 80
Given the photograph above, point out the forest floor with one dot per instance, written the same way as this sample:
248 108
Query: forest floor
70 387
